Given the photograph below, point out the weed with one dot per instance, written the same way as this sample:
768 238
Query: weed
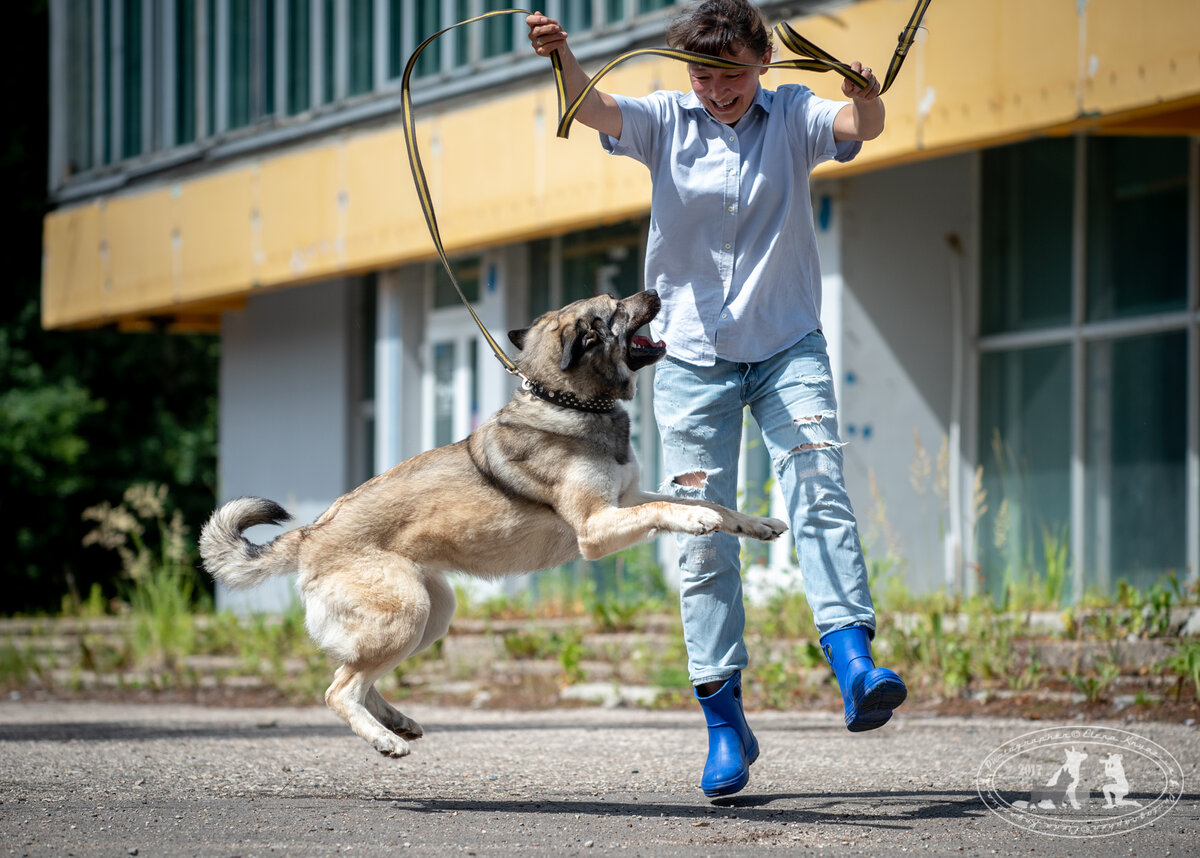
1185 663
93 606
1031 675
17 665
571 652
525 645
1095 686
164 626
566 647
612 615
160 583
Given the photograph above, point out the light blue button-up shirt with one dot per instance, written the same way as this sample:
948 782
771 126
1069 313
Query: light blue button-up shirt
732 250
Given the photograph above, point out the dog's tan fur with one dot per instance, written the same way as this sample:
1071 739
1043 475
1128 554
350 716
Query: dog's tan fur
533 487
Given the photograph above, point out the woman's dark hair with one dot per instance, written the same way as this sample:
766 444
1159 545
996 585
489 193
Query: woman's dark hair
716 27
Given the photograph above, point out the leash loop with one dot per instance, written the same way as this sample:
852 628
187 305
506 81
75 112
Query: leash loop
812 58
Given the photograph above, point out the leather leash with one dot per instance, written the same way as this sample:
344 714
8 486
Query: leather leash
812 58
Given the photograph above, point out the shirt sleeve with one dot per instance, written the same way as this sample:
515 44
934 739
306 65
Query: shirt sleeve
819 114
643 123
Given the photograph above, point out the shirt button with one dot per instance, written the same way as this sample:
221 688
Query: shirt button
724 315
728 245
731 208
732 138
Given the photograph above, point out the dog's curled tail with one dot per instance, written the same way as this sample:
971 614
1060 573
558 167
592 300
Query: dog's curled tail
236 561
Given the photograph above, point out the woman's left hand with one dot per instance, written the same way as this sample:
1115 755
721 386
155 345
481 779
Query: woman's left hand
852 90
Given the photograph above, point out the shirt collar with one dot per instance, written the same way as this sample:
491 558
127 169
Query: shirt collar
762 98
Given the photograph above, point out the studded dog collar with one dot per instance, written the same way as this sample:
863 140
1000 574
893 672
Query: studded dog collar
596 405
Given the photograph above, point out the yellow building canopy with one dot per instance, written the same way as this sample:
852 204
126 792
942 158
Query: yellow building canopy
177 252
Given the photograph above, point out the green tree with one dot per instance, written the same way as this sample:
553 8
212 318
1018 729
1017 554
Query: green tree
83 414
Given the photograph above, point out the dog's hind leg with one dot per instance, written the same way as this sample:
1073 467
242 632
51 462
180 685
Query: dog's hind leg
442 603
390 717
350 697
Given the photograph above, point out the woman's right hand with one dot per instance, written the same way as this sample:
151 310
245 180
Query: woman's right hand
545 34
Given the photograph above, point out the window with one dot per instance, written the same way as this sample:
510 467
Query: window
328 12
463 35
1025 441
586 263
240 84
1026 236
132 69
1137 228
445 362
362 47
427 21
80 57
576 16
467 271
1137 450
365 333
249 68
299 58
498 32
1120 327
185 71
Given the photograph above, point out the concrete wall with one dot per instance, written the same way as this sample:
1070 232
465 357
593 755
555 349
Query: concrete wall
285 421
901 324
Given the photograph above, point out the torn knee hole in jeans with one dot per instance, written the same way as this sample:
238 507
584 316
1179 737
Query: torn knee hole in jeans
824 445
806 447
814 419
693 480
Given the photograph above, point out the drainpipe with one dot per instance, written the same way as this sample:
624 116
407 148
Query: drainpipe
953 547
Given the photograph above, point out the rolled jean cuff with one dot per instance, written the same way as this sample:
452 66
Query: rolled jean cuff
865 620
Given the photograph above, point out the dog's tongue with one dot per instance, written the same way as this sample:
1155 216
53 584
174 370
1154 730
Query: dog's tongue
646 343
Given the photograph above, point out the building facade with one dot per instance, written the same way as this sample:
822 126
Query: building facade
1011 274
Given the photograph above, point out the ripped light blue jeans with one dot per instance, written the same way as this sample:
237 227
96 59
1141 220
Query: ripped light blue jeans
699 414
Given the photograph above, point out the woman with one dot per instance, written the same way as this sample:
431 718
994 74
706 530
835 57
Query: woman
732 253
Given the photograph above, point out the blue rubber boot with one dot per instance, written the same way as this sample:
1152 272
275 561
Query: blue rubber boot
731 745
869 693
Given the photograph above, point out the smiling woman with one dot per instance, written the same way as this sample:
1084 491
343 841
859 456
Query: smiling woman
733 31
728 93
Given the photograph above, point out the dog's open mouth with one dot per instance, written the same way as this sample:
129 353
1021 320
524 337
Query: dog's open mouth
643 352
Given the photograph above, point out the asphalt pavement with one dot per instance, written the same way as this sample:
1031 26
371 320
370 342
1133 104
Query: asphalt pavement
104 779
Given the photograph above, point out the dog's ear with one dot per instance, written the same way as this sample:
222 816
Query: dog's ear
574 342
517 337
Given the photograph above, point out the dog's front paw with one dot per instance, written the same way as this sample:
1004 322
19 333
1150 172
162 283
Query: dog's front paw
765 529
699 520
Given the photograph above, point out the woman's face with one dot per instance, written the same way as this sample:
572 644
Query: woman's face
728 93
